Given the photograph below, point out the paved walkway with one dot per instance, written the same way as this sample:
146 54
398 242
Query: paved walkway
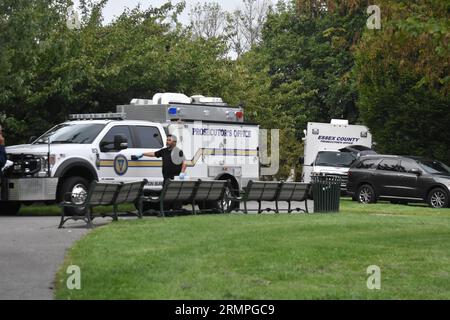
31 251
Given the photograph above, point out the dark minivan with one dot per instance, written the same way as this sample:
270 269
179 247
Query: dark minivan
401 179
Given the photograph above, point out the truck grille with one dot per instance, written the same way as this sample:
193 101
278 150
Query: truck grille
25 165
344 179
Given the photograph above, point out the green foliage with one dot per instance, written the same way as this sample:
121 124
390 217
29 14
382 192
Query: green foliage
48 70
316 60
301 71
310 58
403 78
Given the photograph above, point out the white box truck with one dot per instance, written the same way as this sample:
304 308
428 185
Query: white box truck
331 148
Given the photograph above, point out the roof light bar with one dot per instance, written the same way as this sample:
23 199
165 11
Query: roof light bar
98 116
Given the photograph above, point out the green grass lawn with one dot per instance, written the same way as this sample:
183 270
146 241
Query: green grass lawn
296 256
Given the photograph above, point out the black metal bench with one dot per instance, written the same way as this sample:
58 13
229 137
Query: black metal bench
130 192
210 191
180 191
260 191
293 191
188 192
103 194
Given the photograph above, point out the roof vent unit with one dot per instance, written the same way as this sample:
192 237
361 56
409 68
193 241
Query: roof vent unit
208 100
340 122
167 98
141 101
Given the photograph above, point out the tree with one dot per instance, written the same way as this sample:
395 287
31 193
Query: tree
207 20
244 26
309 55
49 70
402 74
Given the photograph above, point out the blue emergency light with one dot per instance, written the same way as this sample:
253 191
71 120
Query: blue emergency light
172 111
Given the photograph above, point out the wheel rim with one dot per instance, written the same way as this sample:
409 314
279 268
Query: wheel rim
226 202
438 199
79 193
365 195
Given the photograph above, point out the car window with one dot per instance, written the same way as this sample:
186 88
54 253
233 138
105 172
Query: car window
335 159
108 141
434 166
367 164
388 165
407 165
148 137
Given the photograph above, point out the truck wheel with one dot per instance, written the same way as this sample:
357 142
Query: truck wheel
366 194
438 198
149 207
78 187
228 206
9 208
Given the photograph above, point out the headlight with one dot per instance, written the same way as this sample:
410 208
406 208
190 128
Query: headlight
43 172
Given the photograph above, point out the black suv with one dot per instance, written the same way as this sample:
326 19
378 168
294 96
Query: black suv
401 179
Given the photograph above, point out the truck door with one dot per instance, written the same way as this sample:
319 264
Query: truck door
147 139
114 164
386 178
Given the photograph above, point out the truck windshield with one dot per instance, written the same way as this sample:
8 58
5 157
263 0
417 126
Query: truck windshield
80 133
434 166
335 159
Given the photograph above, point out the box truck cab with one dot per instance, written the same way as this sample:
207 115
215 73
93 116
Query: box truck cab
331 148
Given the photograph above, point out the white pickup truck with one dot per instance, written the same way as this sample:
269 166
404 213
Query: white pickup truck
216 141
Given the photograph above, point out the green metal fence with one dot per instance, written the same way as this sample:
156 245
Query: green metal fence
326 192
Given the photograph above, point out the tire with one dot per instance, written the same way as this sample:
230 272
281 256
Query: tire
438 198
209 205
366 194
75 185
147 206
214 206
9 208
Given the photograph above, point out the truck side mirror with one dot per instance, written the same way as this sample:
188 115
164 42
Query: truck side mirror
120 142
301 160
32 138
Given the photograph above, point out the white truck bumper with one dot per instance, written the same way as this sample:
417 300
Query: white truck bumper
31 189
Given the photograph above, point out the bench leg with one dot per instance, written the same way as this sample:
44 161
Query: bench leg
276 207
193 208
259 207
289 207
245 207
139 208
161 207
89 218
115 215
306 206
61 223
